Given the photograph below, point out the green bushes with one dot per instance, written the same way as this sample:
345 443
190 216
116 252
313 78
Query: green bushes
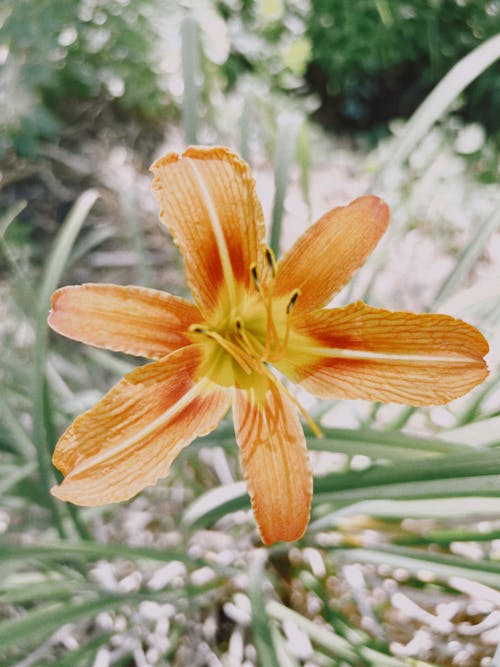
376 59
57 53
369 60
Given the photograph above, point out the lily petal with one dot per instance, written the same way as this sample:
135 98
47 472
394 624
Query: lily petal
275 463
135 320
208 203
324 258
130 438
395 357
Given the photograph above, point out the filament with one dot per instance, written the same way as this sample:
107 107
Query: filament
309 420
233 350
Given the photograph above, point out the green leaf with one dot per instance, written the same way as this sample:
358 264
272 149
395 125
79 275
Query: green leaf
29 592
86 652
9 216
19 439
130 212
444 567
286 147
470 253
483 433
370 442
437 103
46 619
323 637
14 476
455 477
87 550
262 632
51 277
383 444
190 47
304 160
215 503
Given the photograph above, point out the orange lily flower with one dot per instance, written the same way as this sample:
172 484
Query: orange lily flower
251 313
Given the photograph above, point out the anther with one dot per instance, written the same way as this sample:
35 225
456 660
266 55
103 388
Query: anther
255 277
293 301
196 328
271 260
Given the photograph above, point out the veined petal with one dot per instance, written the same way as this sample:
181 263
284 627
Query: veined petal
395 357
135 320
275 463
130 438
208 203
324 258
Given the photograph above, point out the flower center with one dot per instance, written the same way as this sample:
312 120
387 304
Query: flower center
241 343
254 333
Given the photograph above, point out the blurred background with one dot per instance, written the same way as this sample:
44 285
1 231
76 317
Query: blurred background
327 100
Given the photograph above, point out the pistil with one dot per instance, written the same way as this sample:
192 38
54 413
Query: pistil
243 360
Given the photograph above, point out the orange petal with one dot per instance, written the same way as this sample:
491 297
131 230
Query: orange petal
135 320
323 259
275 462
208 203
374 354
130 438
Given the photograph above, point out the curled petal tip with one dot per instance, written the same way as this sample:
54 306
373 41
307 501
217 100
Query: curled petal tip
378 208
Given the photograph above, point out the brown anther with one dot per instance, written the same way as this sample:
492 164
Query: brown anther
271 260
255 277
293 301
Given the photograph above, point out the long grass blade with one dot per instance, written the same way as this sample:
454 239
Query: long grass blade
443 566
9 216
85 655
457 476
245 126
18 437
285 152
136 234
304 161
469 255
323 637
66 551
51 277
437 103
262 632
190 49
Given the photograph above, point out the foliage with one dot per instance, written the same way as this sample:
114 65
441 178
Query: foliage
374 60
57 54
368 61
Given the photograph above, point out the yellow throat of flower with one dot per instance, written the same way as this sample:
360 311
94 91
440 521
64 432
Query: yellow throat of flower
243 338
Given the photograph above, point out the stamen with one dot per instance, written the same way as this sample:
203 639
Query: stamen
196 328
293 301
309 420
289 308
270 327
282 348
249 347
271 260
255 277
233 350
